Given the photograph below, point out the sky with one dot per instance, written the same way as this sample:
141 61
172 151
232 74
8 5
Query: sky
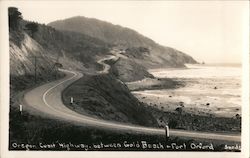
209 31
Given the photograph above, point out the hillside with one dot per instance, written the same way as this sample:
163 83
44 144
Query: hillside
35 57
29 62
84 51
50 46
105 97
45 49
126 39
73 46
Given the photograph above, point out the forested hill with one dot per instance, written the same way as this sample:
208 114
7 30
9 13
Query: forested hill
155 56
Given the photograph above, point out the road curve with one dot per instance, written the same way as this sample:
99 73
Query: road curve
106 67
46 99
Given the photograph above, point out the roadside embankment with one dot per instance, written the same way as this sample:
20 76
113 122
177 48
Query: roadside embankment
105 97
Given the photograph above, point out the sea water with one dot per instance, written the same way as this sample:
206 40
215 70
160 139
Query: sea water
214 88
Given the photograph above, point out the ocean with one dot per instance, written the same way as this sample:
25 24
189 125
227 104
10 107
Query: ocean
214 89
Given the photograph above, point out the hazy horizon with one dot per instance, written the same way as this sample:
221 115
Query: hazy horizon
212 32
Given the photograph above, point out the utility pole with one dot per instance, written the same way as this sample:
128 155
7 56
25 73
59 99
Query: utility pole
35 69
52 67
35 64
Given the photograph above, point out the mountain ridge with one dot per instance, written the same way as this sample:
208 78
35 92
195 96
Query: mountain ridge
125 38
90 21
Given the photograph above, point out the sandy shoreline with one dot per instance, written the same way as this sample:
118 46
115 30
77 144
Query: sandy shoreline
195 96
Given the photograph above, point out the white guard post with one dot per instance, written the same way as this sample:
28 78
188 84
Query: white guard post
167 132
71 100
21 108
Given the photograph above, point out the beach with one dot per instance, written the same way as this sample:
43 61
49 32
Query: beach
198 89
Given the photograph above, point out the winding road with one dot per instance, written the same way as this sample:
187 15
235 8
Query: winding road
106 67
46 100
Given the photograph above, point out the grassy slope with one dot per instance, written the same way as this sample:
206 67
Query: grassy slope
105 97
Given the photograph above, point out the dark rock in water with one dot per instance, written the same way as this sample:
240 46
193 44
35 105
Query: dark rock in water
170 96
182 104
215 87
237 116
208 104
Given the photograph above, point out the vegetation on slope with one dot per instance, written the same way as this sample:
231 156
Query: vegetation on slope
105 97
125 38
78 47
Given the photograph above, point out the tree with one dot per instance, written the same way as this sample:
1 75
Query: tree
14 18
33 27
